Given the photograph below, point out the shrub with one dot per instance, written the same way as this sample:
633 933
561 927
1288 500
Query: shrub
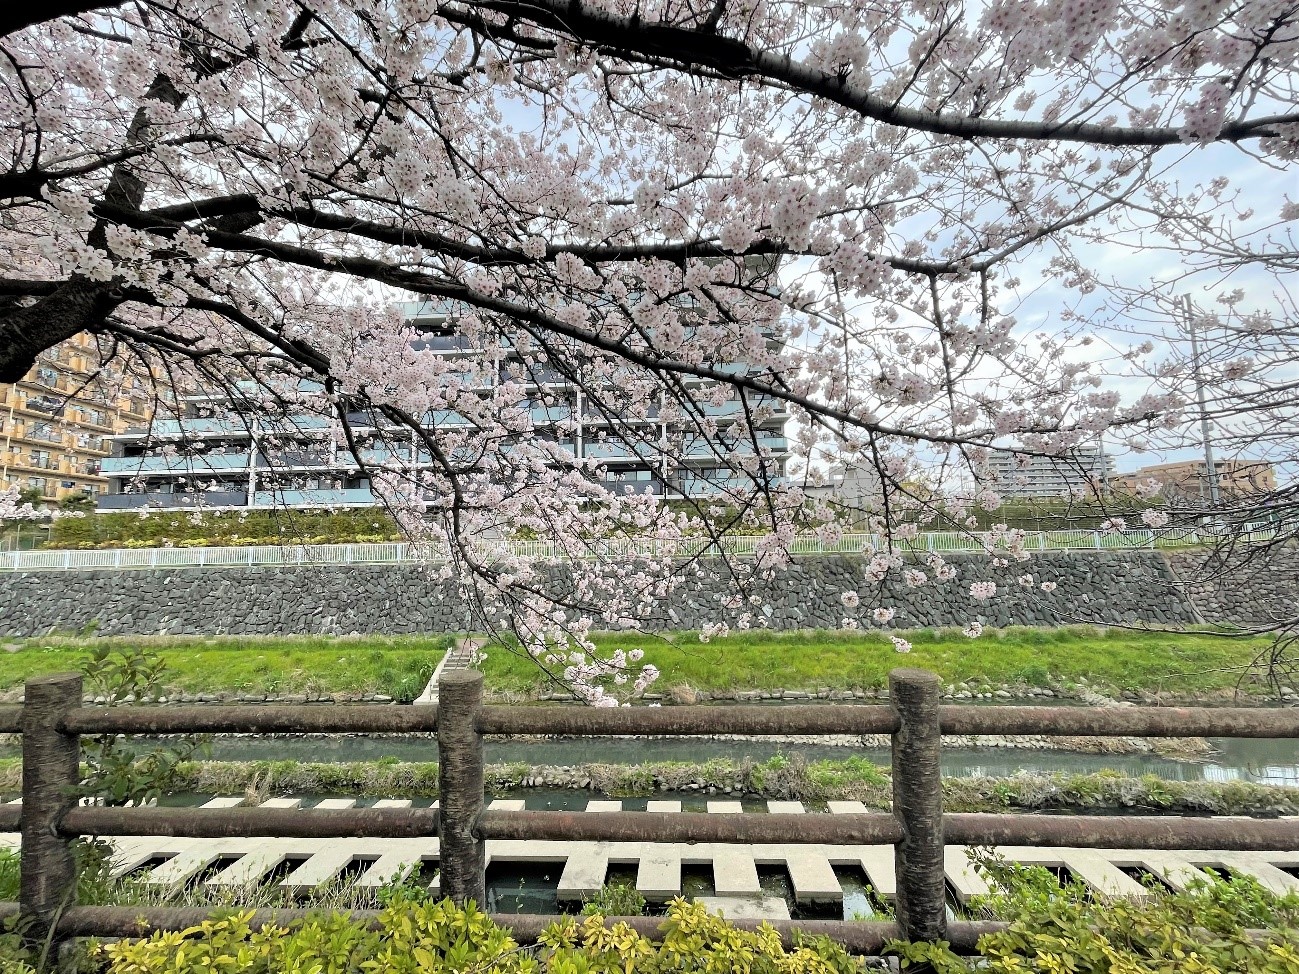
114 774
1054 929
621 899
190 529
411 936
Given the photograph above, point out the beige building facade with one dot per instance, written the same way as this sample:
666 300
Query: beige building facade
54 423
1189 478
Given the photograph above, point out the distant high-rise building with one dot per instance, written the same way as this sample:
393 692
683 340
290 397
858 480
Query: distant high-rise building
54 423
1086 471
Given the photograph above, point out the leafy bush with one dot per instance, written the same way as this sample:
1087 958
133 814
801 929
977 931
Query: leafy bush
412 937
615 900
114 774
1056 929
190 529
13 958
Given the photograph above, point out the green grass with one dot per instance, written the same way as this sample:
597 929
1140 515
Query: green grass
1179 663
1115 659
398 667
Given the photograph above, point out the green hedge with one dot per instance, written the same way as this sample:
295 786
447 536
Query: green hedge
222 528
412 937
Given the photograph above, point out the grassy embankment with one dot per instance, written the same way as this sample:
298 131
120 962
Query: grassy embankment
1177 663
1113 659
399 667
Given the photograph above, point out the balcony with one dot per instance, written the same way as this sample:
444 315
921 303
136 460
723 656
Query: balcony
344 497
206 499
701 449
617 451
197 425
296 458
195 464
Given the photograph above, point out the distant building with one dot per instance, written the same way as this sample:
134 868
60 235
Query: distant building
854 487
54 424
1188 479
1087 471
224 454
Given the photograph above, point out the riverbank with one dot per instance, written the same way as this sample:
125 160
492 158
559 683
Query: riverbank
1143 666
780 777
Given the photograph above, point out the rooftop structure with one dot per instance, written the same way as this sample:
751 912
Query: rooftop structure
56 423
1085 472
224 456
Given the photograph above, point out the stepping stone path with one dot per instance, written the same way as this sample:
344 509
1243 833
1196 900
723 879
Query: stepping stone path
302 864
459 657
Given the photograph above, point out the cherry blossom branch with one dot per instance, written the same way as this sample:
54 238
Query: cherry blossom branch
632 37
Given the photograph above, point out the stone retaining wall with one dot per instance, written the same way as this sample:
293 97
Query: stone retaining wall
1249 587
1096 587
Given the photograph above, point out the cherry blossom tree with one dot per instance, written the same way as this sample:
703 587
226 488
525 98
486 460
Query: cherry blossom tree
851 200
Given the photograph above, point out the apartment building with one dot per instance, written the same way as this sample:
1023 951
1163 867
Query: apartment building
1087 471
1189 480
224 454
56 423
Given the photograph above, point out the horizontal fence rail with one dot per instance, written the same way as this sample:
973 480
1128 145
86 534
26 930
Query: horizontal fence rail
52 720
398 552
692 721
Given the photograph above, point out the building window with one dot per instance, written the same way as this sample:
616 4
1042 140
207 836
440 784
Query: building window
42 431
37 482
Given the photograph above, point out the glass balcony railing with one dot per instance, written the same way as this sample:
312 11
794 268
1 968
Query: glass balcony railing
313 498
197 463
615 451
210 498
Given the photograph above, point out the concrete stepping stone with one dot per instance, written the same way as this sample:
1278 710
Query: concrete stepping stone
321 868
662 805
601 805
961 874
507 805
735 873
282 803
1102 876
786 808
584 874
746 907
394 803
130 853
248 870
1173 868
386 868
326 804
658 874
877 862
813 877
726 807
182 867
224 801
1255 865
846 808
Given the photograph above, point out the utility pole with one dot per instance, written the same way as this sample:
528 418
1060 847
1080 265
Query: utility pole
1183 302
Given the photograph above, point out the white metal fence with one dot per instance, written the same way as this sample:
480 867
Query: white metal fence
740 546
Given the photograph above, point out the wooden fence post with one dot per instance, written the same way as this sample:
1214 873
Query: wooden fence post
918 805
51 770
460 786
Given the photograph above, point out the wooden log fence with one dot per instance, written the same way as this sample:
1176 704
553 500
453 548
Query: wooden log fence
52 719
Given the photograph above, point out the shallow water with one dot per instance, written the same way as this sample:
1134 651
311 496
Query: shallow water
1263 761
